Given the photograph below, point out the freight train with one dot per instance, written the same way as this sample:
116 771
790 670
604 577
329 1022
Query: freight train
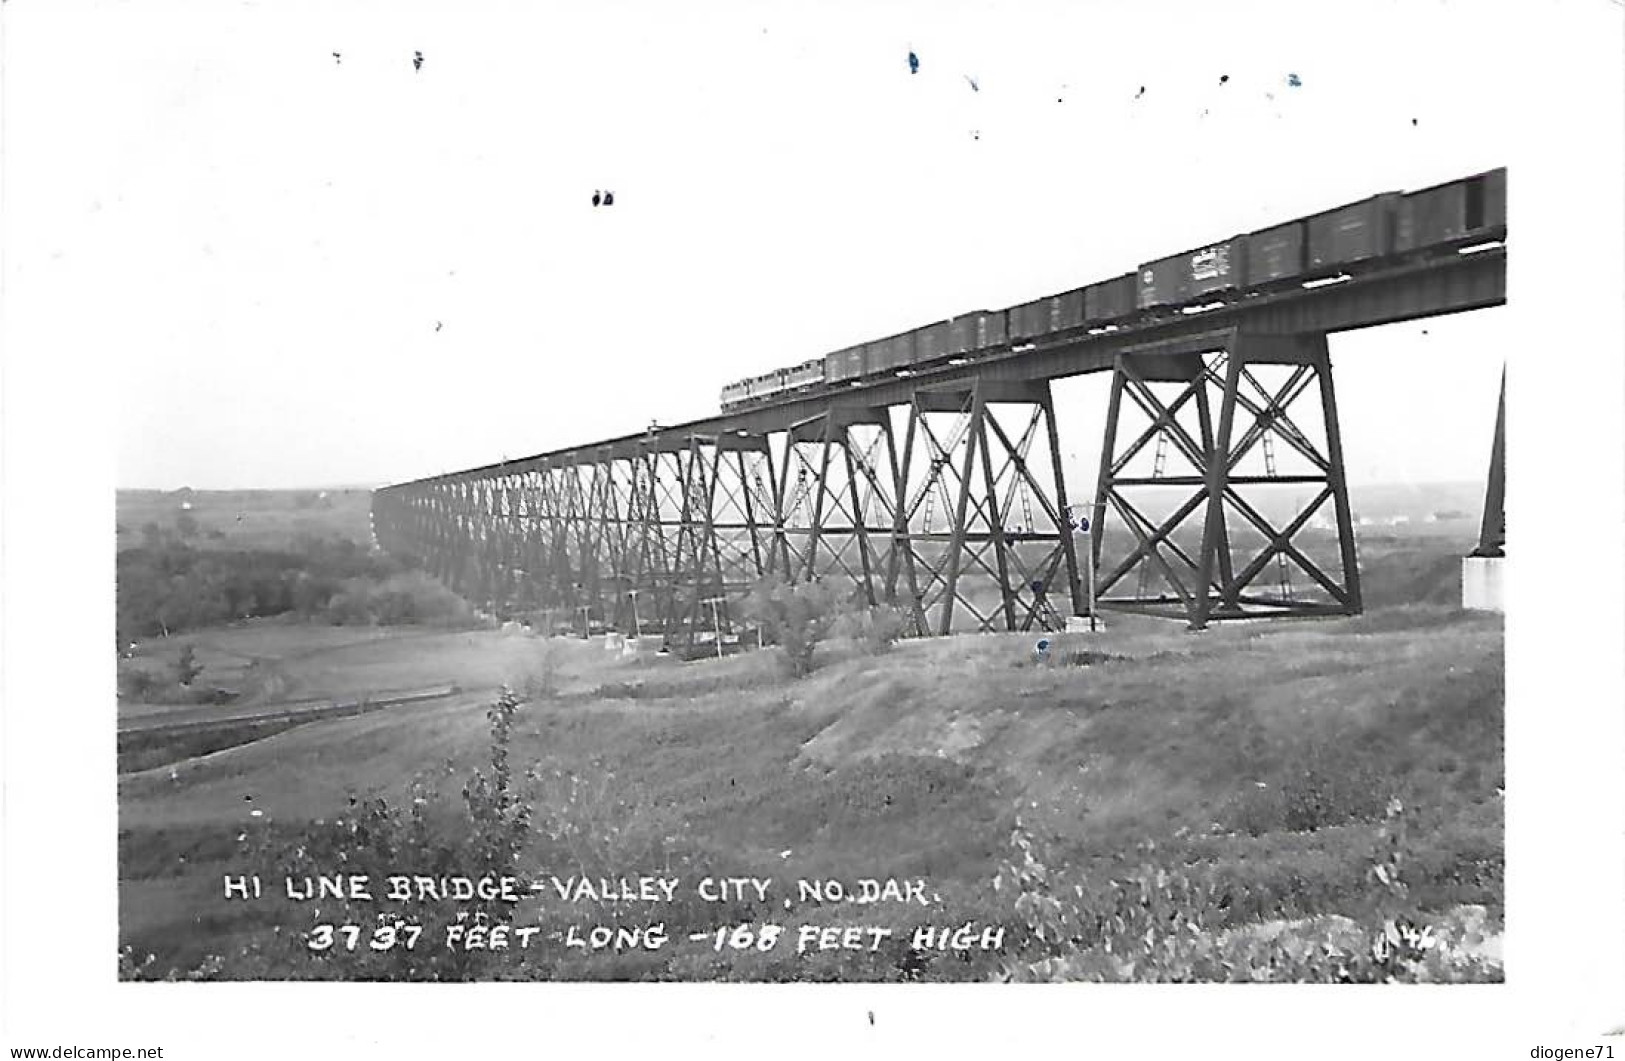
1379 230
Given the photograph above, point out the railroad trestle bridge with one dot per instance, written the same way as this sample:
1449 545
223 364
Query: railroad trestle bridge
942 491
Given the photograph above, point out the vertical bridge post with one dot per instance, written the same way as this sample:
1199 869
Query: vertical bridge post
1481 571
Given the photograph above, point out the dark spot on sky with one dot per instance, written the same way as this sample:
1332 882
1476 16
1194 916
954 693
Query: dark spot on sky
597 198
975 134
1413 121
417 60
1223 78
871 1016
609 198
336 58
974 87
1292 79
437 325
1140 93
913 63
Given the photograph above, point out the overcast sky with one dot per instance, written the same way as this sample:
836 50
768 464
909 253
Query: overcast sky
314 269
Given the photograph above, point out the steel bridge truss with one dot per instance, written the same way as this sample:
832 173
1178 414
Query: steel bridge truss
1203 542
962 526
1221 460
1003 556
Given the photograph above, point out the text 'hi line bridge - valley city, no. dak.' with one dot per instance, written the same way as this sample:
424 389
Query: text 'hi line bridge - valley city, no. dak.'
924 469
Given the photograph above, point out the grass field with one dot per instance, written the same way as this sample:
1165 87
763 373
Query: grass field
910 764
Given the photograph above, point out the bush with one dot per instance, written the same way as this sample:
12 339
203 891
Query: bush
1326 788
412 597
187 667
1171 925
794 617
136 683
538 677
876 628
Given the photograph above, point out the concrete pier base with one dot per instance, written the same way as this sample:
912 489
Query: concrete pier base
1481 585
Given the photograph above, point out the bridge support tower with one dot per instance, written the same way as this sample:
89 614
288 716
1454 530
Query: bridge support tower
982 535
1482 570
1227 505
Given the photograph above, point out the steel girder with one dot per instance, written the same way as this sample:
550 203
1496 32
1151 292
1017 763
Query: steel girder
1195 553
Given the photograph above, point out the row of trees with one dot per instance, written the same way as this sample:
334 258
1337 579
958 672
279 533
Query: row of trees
167 585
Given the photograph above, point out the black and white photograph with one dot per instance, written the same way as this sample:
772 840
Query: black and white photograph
737 516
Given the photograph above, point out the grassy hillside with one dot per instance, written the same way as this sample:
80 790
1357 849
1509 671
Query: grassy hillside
1252 762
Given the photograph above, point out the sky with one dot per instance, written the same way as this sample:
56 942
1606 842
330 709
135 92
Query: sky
320 269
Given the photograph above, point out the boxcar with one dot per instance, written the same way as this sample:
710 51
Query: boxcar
889 355
964 333
1276 254
1030 319
1461 210
1162 283
835 367
1208 270
843 365
1221 267
857 358
932 342
1109 300
1066 311
993 329
1353 233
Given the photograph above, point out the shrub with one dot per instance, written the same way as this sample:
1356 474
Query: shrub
137 683
538 677
1170 925
876 628
187 667
411 597
795 617
1326 787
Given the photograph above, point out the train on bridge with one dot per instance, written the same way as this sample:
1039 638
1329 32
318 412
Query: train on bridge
849 465
1323 246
